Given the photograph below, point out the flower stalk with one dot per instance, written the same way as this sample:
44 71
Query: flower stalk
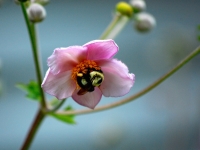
115 27
140 93
40 115
33 39
123 13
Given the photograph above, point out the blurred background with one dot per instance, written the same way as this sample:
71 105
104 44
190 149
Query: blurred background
166 118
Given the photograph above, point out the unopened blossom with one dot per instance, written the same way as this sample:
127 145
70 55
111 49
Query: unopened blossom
36 12
87 72
138 5
144 22
124 9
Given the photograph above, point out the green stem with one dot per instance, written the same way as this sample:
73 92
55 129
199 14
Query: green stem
38 120
55 108
38 67
140 93
33 39
114 28
40 115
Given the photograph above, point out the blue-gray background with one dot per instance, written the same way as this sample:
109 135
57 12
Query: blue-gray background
167 118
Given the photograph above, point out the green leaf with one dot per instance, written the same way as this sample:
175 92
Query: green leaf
32 90
68 108
65 118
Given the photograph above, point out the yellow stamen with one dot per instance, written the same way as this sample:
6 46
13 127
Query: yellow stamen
79 74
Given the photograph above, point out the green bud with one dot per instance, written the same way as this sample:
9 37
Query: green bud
124 9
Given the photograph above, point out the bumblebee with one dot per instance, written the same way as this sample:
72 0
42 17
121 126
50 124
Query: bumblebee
89 81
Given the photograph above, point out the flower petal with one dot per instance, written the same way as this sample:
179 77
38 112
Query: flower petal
64 59
101 49
61 85
90 99
117 80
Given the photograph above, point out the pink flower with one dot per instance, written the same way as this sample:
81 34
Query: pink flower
87 72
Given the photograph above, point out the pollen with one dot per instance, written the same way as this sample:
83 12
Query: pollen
83 68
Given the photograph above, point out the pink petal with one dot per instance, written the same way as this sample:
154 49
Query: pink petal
61 85
64 59
101 49
90 99
117 80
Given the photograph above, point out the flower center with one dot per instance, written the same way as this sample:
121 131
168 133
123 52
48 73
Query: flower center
87 75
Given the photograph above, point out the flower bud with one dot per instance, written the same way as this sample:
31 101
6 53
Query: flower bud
144 22
124 9
36 12
138 5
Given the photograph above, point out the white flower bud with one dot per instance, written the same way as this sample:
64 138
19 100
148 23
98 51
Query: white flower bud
138 5
36 12
144 22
